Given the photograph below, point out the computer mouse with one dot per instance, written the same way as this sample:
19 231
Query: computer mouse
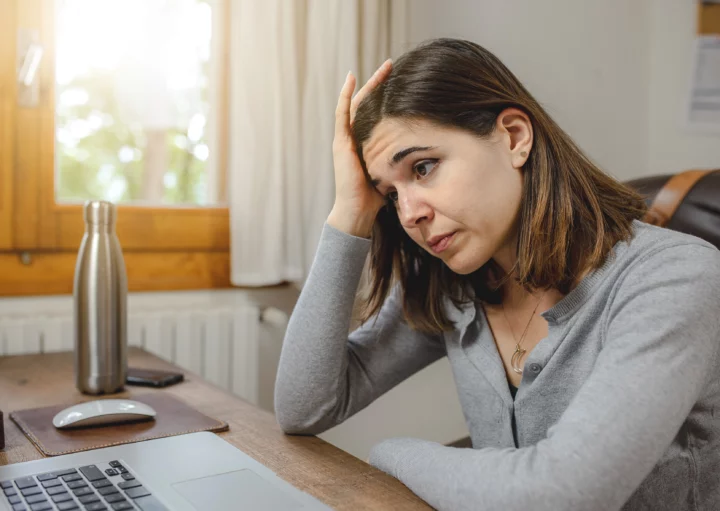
103 412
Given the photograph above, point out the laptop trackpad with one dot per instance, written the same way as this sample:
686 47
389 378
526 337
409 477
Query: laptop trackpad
235 490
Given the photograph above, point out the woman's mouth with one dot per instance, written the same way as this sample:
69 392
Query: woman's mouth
442 244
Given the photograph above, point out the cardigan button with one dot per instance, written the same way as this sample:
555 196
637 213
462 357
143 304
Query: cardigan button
535 368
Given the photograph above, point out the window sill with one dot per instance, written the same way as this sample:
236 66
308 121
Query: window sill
52 273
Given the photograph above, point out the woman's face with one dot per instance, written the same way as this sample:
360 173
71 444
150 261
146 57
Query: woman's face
456 195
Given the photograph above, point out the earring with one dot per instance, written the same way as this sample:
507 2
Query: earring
523 153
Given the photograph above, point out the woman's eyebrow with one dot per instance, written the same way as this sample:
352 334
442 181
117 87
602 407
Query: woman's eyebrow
398 156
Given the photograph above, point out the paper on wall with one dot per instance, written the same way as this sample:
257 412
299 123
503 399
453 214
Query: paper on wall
703 112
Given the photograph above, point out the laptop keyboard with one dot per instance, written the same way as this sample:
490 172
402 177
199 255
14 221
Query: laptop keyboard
106 486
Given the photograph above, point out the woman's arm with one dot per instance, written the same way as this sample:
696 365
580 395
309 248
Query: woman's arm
661 349
324 377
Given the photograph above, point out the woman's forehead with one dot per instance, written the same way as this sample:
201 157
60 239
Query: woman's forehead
393 135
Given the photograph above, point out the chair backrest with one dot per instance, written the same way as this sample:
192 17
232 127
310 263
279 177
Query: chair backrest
698 194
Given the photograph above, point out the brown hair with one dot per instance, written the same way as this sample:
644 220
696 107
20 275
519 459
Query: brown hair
571 214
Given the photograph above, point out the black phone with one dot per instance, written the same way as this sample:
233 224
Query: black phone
152 377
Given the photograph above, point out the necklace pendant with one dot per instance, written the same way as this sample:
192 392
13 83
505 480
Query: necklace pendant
517 358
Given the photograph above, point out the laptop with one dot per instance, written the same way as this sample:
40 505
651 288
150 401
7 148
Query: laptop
192 472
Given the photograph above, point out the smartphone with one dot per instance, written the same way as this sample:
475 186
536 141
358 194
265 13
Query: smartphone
152 377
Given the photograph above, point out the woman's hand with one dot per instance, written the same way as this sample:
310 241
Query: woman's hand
356 201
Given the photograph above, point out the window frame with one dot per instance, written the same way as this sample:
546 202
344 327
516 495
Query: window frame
165 248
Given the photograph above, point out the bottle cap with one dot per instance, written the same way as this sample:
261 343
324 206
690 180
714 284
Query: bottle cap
99 212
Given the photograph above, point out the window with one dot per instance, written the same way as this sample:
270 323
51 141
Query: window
119 100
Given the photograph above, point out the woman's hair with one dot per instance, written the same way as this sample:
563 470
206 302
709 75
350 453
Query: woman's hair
571 213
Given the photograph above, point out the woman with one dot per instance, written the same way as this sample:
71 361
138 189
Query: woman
584 343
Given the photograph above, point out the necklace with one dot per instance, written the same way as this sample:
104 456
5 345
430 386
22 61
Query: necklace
520 352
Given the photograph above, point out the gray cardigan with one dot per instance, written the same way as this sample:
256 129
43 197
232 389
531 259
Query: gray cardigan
619 407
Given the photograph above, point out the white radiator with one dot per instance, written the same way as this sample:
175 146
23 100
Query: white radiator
220 343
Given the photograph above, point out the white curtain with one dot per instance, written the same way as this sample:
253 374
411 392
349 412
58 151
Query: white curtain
288 61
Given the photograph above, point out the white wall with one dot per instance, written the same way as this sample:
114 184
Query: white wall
423 406
584 61
672 32
614 74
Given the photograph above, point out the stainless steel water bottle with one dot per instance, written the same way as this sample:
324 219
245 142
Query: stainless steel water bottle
100 302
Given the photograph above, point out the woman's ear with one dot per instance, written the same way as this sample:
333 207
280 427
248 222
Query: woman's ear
517 132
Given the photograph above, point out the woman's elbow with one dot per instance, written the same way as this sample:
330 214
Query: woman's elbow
297 419
293 424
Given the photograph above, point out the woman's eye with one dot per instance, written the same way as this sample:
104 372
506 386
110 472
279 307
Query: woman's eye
425 167
422 169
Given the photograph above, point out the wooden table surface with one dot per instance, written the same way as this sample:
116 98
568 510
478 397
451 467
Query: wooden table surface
335 477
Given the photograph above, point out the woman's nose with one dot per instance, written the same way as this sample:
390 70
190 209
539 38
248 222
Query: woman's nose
412 209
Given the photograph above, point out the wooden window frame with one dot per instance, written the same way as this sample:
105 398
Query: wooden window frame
165 248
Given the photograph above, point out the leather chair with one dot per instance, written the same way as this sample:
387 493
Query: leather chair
687 202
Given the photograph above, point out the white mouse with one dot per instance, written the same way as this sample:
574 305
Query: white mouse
103 411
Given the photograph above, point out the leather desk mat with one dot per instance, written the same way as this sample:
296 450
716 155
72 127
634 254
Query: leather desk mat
173 417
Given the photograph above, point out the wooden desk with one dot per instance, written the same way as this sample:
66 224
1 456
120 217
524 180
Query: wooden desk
309 463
